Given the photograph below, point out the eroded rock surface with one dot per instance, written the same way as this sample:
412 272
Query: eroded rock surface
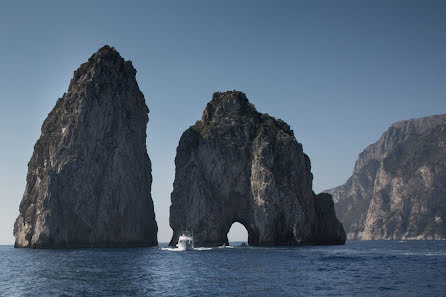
89 178
398 186
238 165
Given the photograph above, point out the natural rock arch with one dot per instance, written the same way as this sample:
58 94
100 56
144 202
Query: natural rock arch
252 233
238 165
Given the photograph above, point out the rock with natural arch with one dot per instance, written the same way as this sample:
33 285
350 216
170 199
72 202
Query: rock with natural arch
238 165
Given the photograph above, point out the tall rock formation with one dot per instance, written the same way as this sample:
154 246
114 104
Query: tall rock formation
238 165
398 186
89 178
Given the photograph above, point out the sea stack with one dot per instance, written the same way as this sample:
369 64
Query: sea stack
89 178
238 165
398 187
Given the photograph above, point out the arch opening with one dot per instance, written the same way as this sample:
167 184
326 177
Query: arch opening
237 234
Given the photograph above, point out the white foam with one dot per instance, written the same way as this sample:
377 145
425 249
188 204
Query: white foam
171 249
181 250
202 249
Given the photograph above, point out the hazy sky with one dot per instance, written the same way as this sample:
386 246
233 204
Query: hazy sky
339 72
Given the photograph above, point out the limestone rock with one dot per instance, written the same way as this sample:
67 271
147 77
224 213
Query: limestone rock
89 178
238 165
398 186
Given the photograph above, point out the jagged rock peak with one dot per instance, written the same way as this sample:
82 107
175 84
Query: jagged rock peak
238 165
89 178
398 185
226 102
109 56
106 62
232 107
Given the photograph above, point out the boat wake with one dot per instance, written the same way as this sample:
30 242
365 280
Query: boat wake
171 249
202 249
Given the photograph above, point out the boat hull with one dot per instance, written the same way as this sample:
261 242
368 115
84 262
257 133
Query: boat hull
186 241
185 246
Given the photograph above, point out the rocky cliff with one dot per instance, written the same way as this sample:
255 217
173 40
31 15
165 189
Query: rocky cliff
89 178
398 186
238 165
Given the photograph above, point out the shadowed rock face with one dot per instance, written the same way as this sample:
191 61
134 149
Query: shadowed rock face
89 178
398 186
237 165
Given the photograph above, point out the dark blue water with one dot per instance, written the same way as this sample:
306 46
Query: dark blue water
370 268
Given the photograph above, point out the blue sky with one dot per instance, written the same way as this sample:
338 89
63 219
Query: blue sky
339 72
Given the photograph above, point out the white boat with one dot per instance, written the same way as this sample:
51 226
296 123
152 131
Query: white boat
186 241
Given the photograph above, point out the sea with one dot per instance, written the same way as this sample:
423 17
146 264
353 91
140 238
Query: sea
358 268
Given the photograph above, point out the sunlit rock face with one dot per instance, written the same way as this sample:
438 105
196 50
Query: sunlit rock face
238 165
89 178
398 186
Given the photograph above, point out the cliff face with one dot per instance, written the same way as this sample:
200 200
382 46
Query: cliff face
89 178
237 165
398 186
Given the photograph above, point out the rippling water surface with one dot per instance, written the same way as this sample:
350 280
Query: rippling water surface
370 268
